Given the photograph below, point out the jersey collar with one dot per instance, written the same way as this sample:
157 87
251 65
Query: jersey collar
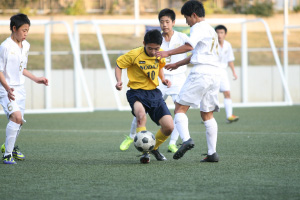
146 52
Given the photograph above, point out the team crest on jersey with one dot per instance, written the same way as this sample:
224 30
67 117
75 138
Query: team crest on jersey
142 62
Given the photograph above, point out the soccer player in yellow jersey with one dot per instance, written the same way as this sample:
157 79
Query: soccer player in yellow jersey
143 69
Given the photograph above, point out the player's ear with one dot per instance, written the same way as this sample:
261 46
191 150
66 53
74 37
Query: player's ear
144 43
194 15
14 28
173 23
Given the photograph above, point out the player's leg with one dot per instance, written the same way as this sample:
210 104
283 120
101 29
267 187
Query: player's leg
172 147
141 119
225 89
12 129
227 104
161 116
21 94
167 126
228 107
190 95
129 139
208 105
14 116
181 122
211 127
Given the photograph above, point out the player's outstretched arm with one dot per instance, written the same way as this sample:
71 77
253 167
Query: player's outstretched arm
161 75
182 49
9 90
118 74
40 80
174 66
231 65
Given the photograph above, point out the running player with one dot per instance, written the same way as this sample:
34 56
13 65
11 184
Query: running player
226 58
203 82
143 69
13 63
171 40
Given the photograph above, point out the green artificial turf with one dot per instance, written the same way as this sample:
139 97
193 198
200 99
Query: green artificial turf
77 156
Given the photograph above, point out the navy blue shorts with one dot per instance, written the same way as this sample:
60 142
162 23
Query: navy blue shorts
152 101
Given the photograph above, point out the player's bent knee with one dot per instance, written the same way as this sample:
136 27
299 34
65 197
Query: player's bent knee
16 117
169 129
140 117
167 125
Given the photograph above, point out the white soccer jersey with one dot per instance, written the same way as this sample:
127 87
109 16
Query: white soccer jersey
204 40
226 54
178 39
13 60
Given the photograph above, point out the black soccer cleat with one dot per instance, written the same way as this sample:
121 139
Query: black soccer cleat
211 158
145 158
158 155
187 145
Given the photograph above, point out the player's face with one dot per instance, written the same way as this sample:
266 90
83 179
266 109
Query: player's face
152 48
21 33
191 20
221 34
166 24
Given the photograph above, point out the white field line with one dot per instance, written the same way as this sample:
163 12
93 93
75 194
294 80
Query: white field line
127 131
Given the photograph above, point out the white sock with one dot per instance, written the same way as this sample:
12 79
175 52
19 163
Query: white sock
228 107
211 135
12 130
18 132
182 126
133 128
174 135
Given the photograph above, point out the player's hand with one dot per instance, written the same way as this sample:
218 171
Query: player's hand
161 54
167 83
10 94
119 85
171 67
42 80
235 76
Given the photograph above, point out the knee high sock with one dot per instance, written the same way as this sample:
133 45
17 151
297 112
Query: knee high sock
133 128
139 129
12 130
211 135
182 126
228 107
159 138
174 135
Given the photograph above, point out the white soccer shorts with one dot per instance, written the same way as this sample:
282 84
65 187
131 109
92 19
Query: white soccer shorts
201 87
177 81
10 107
224 84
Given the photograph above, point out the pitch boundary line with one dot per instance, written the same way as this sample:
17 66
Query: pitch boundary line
127 131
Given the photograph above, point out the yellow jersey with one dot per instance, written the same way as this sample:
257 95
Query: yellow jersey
142 70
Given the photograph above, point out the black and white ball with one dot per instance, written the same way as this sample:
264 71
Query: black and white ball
144 141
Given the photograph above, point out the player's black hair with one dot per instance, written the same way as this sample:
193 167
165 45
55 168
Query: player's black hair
18 20
220 27
193 6
167 12
153 36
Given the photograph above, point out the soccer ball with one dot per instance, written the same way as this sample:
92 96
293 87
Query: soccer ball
144 141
